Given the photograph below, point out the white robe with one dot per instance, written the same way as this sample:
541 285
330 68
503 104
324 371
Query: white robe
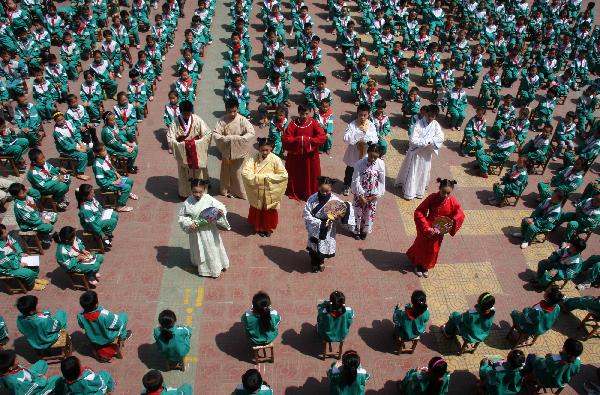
206 247
425 140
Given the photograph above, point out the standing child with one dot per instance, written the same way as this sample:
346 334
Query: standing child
239 92
399 77
173 341
368 185
412 103
185 87
359 133
382 125
277 126
171 109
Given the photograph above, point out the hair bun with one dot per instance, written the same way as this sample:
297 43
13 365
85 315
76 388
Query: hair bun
438 180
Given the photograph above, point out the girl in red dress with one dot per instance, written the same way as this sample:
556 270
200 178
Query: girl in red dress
424 252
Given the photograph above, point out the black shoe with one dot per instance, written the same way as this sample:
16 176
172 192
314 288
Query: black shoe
128 335
46 244
363 236
314 269
356 236
321 268
268 234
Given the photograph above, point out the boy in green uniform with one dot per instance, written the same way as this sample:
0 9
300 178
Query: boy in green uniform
56 73
252 383
565 264
125 116
555 370
537 320
239 92
101 326
317 93
116 142
456 100
382 125
504 117
17 379
261 321
490 88
512 67
545 108
80 119
173 341
585 107
565 134
399 77
567 180
3 332
589 303
536 149
92 215
15 72
83 380
473 325
359 75
543 219
39 328
498 152
411 322
347 377
412 103
69 143
433 379
44 94
277 126
154 384
27 119
499 377
137 94
233 67
513 183
70 53
474 133
587 151
72 256
91 96
105 77
585 218
46 179
274 94
28 215
11 265
108 179
334 318
12 145
530 83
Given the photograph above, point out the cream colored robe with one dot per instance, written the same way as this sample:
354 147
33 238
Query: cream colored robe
202 134
265 181
234 141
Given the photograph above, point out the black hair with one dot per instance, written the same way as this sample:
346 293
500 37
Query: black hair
70 368
418 300
167 320
363 107
27 305
152 380
232 103
134 73
186 106
66 235
553 295
261 305
374 147
380 104
516 359
573 348
34 154
106 115
302 108
7 360
252 380
579 244
350 363
88 300
337 301
197 182
83 192
264 141
485 303
434 109
446 183
437 369
324 180
98 147
15 188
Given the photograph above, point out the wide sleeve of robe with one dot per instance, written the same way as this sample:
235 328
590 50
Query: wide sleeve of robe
291 142
312 223
420 215
184 220
438 137
458 215
222 221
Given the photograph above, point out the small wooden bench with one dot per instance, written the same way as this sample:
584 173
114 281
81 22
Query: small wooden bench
110 199
13 285
93 242
521 339
10 165
61 349
402 349
33 244
328 350
69 164
592 321
264 353
48 203
79 281
118 344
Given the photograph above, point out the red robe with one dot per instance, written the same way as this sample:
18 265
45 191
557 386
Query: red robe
426 247
302 164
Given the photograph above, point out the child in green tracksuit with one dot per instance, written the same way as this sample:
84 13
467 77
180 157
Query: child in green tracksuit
563 264
39 328
46 179
101 327
474 133
589 303
530 83
502 377
430 63
491 85
536 149
69 143
585 218
359 75
27 119
12 144
104 76
56 73
154 384
261 322
511 67
44 94
565 134
411 322
433 379
412 103
126 116
173 341
83 380
277 126
172 109
92 215
91 96
252 383
504 116
233 67
117 143
324 117
556 370
513 183
72 256
334 318
566 180
314 95
145 67
587 151
28 215
456 100
10 262
18 379
347 377
545 108
473 66
399 77
540 318
137 94
498 152
473 325
382 125
185 87
274 94
543 219
80 119
239 92
3 332
109 179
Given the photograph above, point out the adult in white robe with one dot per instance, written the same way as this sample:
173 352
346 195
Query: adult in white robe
358 135
207 251
425 140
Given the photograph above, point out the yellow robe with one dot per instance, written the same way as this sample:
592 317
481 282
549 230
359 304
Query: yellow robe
265 181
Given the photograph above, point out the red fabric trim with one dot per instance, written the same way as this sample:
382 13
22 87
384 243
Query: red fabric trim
191 154
93 316
546 307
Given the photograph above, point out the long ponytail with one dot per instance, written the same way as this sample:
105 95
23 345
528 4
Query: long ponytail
167 320
261 305
351 363
437 369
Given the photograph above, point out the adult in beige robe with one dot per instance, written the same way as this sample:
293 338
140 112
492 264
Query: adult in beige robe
265 179
189 139
233 137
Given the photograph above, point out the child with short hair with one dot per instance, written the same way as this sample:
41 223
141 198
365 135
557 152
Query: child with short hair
39 327
104 76
28 215
18 379
12 144
154 384
111 52
44 94
412 103
233 67
173 341
565 134
27 119
46 179
491 85
109 179
239 92
382 125
126 116
72 256
563 264
475 132
70 53
504 117
155 56
316 94
456 100
137 95
92 215
537 320
15 72
536 149
274 95
83 380
252 383
498 152
530 83
185 87
172 109
69 143
399 77
359 75
117 143
513 183
277 127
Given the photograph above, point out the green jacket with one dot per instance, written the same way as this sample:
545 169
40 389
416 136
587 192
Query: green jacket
66 256
3 330
499 379
554 371
473 326
408 327
10 255
535 320
115 139
587 215
567 180
40 329
29 381
176 348
44 177
515 180
105 173
257 335
90 383
101 326
416 382
546 215
338 386
90 216
330 328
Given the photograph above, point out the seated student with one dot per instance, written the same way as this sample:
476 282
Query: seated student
271 46
502 377
555 370
109 179
28 215
28 120
347 376
456 100
566 180
513 183
18 379
521 124
69 143
411 322
12 144
91 96
563 264
368 95
585 218
72 256
147 73
543 219
433 379
235 66
153 384
11 265
540 318
111 52
536 149
261 321
138 93
154 56
70 54
83 380
490 88
505 114
79 118
273 95
45 95
57 75
252 383
92 215
317 93
15 72
498 152
126 116
334 318
545 108
588 150
277 126
104 76
475 131
473 325
565 134
282 67
239 92
173 341
101 327
116 142
589 303
39 327
46 179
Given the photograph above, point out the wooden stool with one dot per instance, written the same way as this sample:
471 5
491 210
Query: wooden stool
466 347
540 238
48 203
330 353
13 285
9 163
110 199
93 242
496 168
590 320
61 349
117 343
120 163
509 200
537 388
261 355
176 365
522 337
79 281
33 244
402 349
555 281
70 164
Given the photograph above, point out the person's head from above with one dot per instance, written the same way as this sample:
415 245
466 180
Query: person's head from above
84 193
446 187
362 113
153 381
321 81
59 118
72 100
186 108
350 365
523 113
413 93
553 296
485 303
27 305
324 106
18 191
280 114
516 359
38 75
109 118
231 109
279 58
265 147
522 162
480 112
380 106
3 232
458 84
97 57
572 348
88 301
557 196
275 79
302 114
252 381
66 235
187 55
22 100
431 113
184 75
576 246
100 150
325 185
509 134
373 152
362 61
199 188
596 200
8 360
371 85
546 131
70 368
36 157
310 65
